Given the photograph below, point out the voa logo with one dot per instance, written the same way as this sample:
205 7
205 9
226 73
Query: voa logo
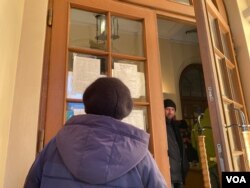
236 179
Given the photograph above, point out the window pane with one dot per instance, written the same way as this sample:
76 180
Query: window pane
223 78
235 86
132 73
84 31
128 36
226 44
215 32
233 128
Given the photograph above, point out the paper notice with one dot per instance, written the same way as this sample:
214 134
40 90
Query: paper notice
85 71
130 77
136 118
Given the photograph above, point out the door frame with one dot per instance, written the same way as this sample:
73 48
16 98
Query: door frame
182 13
52 106
216 101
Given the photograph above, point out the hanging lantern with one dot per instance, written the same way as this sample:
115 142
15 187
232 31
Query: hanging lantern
100 27
101 34
115 28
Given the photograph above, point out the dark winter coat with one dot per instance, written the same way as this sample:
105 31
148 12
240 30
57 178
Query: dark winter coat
94 151
177 157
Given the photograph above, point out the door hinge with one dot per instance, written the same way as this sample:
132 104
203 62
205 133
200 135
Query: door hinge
49 17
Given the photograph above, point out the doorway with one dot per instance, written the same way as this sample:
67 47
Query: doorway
183 82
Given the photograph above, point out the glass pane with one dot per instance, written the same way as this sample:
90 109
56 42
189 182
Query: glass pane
223 78
127 36
238 163
186 2
132 73
233 129
74 108
226 44
83 69
214 30
138 117
235 86
87 29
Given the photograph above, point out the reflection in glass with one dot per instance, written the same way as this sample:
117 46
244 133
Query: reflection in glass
226 44
130 39
235 86
233 129
223 78
214 30
83 28
133 75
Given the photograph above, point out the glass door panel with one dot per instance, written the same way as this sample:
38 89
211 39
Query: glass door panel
92 39
129 39
85 65
236 87
83 30
223 78
215 32
226 45
227 120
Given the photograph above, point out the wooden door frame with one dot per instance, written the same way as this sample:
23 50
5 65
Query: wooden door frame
53 104
214 96
212 87
165 9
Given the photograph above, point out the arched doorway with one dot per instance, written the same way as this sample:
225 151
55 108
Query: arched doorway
192 93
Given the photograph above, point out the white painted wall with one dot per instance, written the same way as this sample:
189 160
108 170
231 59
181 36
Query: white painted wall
21 48
11 14
174 58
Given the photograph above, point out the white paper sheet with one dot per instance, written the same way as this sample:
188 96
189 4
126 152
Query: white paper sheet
85 71
134 80
70 93
136 118
78 111
141 84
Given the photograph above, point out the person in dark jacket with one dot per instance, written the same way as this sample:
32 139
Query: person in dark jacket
177 157
97 150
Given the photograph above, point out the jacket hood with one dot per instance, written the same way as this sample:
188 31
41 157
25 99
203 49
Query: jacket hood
98 149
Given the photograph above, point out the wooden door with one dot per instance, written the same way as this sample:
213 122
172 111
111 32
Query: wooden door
124 45
225 97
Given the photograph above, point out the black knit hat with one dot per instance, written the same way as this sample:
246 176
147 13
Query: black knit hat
108 96
169 103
